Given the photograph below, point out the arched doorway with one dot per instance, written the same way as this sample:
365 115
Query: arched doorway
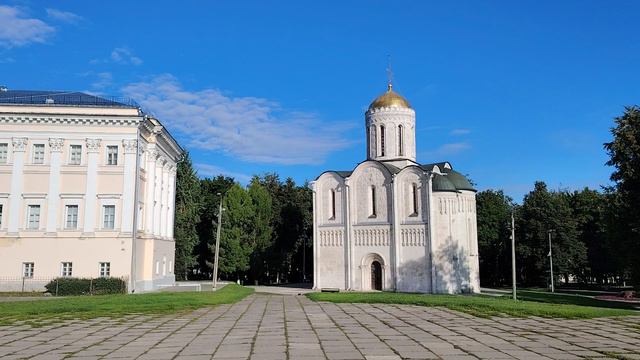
376 275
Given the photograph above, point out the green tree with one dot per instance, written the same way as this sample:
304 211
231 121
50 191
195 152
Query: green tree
624 156
236 240
187 216
542 211
589 208
494 237
262 230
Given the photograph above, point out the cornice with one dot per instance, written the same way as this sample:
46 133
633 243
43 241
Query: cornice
69 120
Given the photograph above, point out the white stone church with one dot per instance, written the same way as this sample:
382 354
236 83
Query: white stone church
393 223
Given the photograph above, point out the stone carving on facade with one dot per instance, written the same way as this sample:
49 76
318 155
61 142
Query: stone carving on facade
56 144
152 153
331 237
161 161
93 145
130 146
19 144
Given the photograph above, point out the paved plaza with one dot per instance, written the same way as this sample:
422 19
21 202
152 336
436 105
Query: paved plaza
268 326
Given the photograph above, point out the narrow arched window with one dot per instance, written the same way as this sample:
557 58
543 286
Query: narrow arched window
373 202
381 140
414 197
333 204
400 140
374 142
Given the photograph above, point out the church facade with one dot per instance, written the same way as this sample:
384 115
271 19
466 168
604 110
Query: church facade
393 223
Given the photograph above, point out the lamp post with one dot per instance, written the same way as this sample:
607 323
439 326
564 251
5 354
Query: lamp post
513 254
551 260
215 259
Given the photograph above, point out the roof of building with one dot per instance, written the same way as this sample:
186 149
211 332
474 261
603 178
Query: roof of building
390 99
70 98
450 180
458 180
442 183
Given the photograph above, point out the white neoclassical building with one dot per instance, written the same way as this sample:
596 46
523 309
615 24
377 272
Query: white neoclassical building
393 223
87 188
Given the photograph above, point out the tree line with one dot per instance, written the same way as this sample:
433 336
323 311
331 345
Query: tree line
267 226
266 233
595 234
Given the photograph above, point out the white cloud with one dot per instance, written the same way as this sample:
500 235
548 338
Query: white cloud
16 29
207 170
64 16
252 129
104 80
461 131
120 55
448 150
124 56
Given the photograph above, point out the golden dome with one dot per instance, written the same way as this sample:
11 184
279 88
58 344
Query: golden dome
389 99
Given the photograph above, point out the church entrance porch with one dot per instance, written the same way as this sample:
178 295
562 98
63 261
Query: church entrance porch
376 276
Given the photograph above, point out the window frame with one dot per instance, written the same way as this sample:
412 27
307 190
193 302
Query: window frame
66 268
105 268
4 160
34 153
71 159
104 214
30 207
28 267
66 216
109 161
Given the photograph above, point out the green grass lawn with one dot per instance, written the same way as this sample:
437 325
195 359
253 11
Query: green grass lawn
573 299
478 305
86 307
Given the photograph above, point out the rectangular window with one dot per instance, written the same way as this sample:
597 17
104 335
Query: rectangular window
75 155
1 215
66 269
27 270
112 155
4 153
33 217
109 216
38 154
105 269
72 217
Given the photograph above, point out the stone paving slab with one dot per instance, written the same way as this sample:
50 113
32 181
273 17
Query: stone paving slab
275 326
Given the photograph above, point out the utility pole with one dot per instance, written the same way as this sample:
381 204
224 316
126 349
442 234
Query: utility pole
215 260
551 261
513 254
304 260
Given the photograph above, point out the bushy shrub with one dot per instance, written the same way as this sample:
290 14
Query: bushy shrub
65 286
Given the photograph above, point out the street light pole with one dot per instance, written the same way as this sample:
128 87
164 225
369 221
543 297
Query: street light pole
551 261
513 254
215 260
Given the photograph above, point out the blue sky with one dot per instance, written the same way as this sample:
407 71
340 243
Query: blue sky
509 92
